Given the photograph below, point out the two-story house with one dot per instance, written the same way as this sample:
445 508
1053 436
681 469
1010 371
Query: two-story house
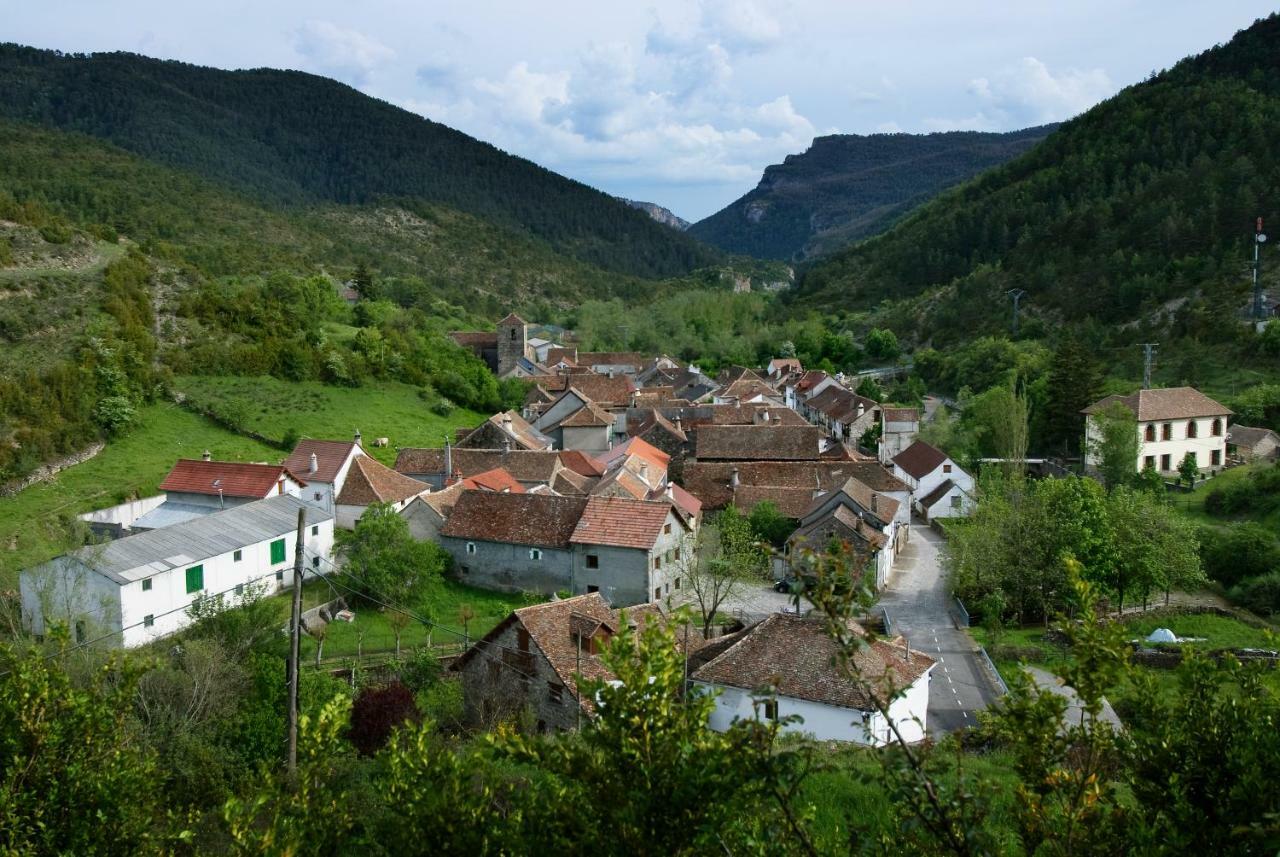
940 488
1173 423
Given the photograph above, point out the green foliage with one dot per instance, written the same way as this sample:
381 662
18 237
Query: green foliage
1256 496
1074 382
74 779
769 525
1116 444
387 563
1188 470
1238 552
1260 594
882 345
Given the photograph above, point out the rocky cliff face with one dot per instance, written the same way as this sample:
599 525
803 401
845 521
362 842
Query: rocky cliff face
658 213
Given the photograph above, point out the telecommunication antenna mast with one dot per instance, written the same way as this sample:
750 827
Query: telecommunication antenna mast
1259 238
1017 295
1148 357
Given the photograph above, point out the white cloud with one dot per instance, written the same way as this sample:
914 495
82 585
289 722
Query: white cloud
348 55
741 25
1029 92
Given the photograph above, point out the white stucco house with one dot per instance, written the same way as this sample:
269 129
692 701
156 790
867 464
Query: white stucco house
1172 424
925 468
324 465
783 666
140 586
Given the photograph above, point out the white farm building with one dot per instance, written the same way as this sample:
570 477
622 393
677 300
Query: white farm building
140 586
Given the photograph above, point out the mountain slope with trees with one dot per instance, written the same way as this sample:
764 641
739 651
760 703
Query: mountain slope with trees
1139 211
846 187
299 139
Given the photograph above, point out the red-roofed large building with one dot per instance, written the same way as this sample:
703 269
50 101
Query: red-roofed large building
1173 424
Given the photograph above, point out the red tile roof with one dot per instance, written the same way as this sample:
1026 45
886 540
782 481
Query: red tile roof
496 479
581 463
796 656
620 522
236 479
920 459
757 443
369 481
590 415
526 465
638 447
1174 403
330 456
472 338
600 389
541 520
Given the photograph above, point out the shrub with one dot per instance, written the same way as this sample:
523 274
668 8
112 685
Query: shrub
1260 594
1239 552
442 408
377 712
420 671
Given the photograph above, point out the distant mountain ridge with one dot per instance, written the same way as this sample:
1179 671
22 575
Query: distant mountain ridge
298 139
663 215
846 187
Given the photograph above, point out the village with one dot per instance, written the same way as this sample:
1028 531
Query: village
600 500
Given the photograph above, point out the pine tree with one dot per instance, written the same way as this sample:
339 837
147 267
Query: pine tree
1074 381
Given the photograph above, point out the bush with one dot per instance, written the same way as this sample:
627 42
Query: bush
377 712
55 234
1238 552
442 408
1259 594
290 439
420 671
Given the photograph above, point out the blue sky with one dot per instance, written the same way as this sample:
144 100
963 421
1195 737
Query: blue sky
680 103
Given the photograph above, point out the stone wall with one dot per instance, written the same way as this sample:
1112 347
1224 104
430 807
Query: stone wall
45 472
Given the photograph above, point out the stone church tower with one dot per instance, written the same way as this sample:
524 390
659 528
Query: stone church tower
513 343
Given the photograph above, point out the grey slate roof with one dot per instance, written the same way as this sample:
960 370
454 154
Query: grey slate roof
135 557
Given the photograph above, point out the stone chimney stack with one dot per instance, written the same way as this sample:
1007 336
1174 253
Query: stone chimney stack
357 437
206 456
679 428
734 481
315 463
448 463
874 501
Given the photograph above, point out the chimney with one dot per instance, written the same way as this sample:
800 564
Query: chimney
678 427
644 471
610 373
762 416
506 421
733 478
506 446
206 456
669 491
874 498
448 462
357 437
907 643
315 463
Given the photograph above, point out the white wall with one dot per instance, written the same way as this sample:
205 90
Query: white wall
124 514
77 593
1203 445
943 508
347 515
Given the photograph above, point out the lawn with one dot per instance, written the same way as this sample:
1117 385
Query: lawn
1192 504
32 527
371 632
1219 632
271 407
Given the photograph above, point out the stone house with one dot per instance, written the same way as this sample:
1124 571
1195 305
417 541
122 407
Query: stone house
426 513
369 481
1253 444
503 431
1172 424
529 663
854 514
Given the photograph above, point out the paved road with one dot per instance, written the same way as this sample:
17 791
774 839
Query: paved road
917 601
1075 714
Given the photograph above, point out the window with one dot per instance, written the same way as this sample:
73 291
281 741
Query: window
593 561
666 529
1149 463
146 584
677 551
315 562
280 576
657 563
677 584
315 530
1215 458
1192 429
277 551
148 620
471 547
1164 463
770 708
466 569
80 632
1150 433
239 589
195 578
513 334
1216 428
555 692
1166 432
237 556
317 496
955 501
522 639
668 589
591 587
535 554
657 593
946 468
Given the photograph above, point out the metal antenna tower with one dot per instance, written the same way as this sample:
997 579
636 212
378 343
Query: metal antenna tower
1148 358
1017 295
1258 240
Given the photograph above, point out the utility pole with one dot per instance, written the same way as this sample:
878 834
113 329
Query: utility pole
1148 358
1258 240
1017 295
295 635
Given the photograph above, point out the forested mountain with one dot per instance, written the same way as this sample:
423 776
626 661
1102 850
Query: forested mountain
295 138
848 186
1139 211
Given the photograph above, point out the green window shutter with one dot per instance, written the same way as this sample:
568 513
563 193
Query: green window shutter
277 551
195 578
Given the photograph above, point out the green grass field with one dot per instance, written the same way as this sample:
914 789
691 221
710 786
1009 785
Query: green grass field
371 633
271 408
1192 503
32 522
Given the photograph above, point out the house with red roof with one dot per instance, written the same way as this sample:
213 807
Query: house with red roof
198 487
324 464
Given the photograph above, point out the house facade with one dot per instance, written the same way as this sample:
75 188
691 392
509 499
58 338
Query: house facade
784 666
324 465
139 587
898 430
924 468
1253 444
1173 423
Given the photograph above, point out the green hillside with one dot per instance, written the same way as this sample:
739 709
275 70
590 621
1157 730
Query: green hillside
846 187
1139 211
295 138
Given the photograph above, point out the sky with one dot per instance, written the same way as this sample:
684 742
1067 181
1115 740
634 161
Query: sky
680 103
